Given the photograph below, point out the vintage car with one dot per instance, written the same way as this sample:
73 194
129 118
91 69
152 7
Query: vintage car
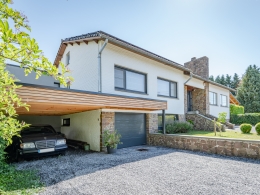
35 141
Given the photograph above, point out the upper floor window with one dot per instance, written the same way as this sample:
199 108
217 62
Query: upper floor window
130 80
166 88
223 100
213 98
68 58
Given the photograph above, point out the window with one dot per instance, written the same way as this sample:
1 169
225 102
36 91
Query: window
56 84
169 118
223 100
66 122
130 80
213 98
68 58
166 88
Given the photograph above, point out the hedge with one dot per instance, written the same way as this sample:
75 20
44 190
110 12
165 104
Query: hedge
250 118
234 109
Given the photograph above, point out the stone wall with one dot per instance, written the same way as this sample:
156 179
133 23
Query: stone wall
151 123
200 100
182 117
107 123
199 66
200 123
229 147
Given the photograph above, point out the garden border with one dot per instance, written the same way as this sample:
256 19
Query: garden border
222 146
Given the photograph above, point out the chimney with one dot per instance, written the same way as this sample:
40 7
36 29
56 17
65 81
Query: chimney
199 66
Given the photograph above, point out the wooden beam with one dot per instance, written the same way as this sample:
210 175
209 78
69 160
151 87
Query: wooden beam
78 42
71 44
65 44
96 40
85 42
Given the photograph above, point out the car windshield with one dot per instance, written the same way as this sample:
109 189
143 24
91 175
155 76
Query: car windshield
37 130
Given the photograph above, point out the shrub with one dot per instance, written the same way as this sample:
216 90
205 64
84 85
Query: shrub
251 118
234 109
178 127
257 128
222 117
245 128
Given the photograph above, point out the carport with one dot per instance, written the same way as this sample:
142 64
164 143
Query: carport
84 110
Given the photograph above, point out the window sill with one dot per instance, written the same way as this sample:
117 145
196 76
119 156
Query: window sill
224 106
167 97
213 104
129 91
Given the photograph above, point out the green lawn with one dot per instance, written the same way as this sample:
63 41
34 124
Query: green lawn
227 134
14 182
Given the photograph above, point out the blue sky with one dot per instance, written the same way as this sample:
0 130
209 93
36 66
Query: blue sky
226 31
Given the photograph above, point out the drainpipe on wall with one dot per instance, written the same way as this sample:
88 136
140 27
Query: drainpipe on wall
188 79
99 66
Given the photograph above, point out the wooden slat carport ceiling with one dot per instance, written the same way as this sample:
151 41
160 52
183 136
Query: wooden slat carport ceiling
58 101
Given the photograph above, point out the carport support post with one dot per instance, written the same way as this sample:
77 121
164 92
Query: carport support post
163 121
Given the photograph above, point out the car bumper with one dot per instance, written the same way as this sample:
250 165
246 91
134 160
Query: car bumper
35 152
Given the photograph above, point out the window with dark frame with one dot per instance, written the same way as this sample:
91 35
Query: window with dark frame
66 122
130 80
223 100
169 119
166 88
57 84
213 100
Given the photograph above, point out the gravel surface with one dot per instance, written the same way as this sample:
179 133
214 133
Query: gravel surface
156 171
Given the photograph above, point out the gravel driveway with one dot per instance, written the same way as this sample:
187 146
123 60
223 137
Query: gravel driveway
156 171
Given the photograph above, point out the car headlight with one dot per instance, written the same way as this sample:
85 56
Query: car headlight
27 145
61 142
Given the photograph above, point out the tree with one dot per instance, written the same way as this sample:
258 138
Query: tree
217 80
228 80
235 81
248 92
222 80
211 78
16 45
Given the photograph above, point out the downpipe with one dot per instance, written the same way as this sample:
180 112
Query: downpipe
99 66
188 79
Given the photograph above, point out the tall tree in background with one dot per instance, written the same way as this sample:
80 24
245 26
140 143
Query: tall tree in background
211 78
228 80
223 80
17 46
235 81
248 92
217 80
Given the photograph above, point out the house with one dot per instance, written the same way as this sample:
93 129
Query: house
121 86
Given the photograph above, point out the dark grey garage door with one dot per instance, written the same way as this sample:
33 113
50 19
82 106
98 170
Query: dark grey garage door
131 126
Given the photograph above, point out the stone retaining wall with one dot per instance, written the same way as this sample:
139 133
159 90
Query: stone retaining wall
229 147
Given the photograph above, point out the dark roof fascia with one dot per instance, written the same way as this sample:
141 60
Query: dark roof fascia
84 92
213 83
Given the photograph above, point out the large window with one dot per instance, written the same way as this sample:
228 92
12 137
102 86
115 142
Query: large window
169 119
166 88
213 98
223 100
130 80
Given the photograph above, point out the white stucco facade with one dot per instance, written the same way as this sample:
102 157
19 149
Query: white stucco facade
84 126
216 109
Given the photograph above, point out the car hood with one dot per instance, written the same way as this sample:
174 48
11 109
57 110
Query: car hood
39 137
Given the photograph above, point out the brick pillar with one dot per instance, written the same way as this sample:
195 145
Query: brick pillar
107 123
200 99
151 125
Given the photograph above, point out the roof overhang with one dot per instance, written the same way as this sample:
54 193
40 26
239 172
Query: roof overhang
100 35
60 101
233 99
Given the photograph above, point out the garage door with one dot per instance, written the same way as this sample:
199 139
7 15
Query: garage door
131 126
